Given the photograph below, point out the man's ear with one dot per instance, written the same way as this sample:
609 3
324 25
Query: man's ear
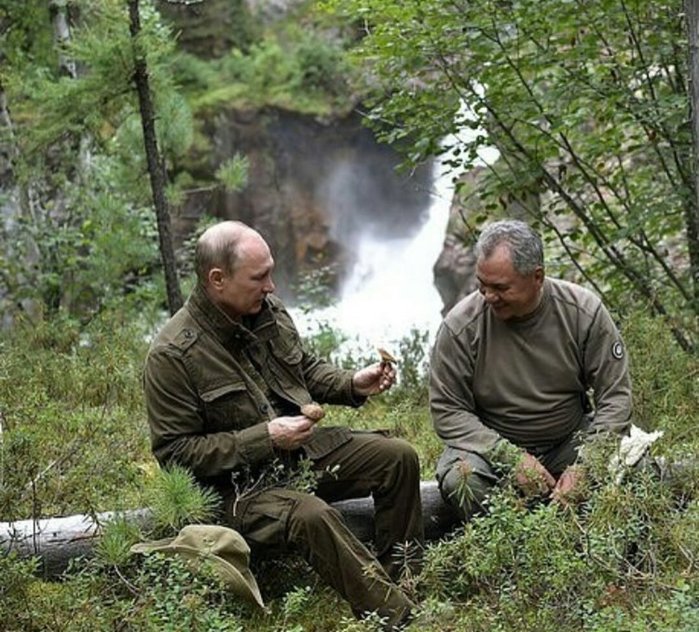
539 275
215 278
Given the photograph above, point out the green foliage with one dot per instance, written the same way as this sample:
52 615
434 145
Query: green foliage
233 173
98 97
298 69
15 591
615 562
586 103
74 441
656 371
118 536
159 593
176 500
324 341
28 39
313 290
173 599
83 232
412 365
72 414
86 253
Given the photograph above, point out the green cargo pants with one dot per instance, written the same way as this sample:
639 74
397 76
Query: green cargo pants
368 464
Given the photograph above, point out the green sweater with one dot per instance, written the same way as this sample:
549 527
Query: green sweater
526 380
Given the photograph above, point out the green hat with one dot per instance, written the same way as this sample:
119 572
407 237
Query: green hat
225 550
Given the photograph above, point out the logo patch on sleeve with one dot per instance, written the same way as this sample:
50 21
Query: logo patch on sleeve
618 350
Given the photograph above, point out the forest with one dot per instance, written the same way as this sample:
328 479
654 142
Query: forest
114 156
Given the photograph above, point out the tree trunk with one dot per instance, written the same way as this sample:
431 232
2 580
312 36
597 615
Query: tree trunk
156 169
692 210
19 204
61 35
58 540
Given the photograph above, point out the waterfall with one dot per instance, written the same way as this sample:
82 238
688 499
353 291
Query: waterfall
390 290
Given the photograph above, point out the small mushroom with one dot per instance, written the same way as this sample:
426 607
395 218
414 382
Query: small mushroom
386 357
313 411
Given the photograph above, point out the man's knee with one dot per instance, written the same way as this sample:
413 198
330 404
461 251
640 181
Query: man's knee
464 484
404 454
400 468
310 518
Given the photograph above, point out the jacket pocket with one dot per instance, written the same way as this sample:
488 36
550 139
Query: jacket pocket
229 407
286 349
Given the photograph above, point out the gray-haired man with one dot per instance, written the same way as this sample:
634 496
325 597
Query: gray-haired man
510 372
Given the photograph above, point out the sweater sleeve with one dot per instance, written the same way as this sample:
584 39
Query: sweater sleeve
607 373
452 402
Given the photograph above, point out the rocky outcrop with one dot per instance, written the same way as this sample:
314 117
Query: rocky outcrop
454 271
313 187
455 268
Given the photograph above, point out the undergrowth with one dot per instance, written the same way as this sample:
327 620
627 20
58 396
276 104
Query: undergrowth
74 440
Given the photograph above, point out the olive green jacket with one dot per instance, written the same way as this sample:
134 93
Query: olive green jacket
212 384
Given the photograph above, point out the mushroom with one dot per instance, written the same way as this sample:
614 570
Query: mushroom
386 357
313 411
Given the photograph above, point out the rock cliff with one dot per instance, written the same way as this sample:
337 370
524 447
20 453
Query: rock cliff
313 187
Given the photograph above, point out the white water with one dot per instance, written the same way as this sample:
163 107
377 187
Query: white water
391 291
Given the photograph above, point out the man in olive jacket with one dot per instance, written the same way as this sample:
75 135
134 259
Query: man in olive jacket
225 380
511 369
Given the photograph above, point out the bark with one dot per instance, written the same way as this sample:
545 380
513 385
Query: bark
61 35
692 210
156 169
59 540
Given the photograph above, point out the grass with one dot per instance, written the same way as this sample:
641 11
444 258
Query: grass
74 440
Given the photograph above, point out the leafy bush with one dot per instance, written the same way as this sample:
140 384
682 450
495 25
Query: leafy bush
75 440
74 434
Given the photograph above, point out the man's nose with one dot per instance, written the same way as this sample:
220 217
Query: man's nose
488 295
269 286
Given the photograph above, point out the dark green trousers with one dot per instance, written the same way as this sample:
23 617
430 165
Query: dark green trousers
368 464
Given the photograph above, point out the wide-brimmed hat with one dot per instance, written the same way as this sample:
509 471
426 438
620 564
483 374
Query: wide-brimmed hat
223 548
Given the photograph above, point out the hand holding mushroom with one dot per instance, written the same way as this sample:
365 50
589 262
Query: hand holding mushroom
313 411
375 378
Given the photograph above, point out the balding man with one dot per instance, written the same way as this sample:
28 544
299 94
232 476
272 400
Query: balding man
511 370
225 381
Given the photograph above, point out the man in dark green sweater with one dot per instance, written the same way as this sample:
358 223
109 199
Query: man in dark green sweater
511 370
226 381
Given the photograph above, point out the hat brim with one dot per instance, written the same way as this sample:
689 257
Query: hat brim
241 581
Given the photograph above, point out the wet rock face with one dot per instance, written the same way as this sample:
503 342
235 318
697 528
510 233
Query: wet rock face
312 188
454 271
455 268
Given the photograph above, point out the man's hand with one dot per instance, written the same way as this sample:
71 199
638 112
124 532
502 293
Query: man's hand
532 477
570 486
289 433
374 379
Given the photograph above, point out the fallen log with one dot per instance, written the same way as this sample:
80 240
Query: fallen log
56 541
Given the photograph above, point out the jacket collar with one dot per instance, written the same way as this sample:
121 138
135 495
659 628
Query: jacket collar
216 321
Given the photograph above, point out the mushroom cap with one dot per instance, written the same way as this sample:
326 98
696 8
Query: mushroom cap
385 355
313 411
